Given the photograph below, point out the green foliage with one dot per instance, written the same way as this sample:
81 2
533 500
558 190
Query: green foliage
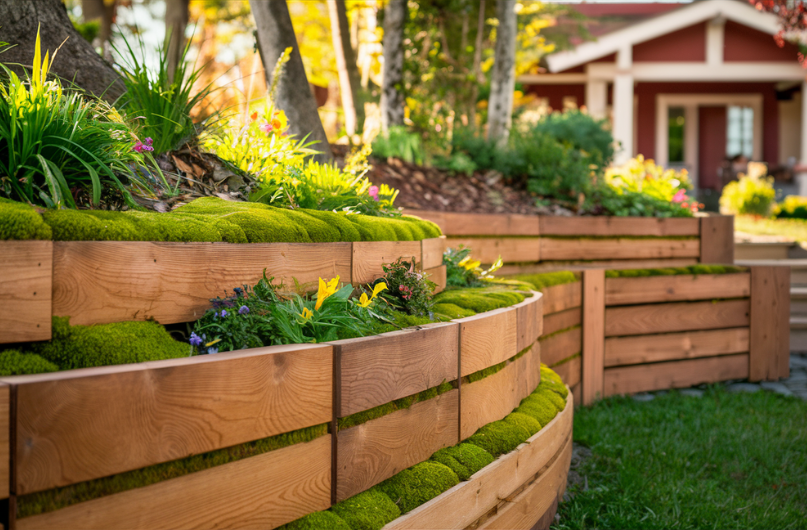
318 521
608 200
20 221
543 280
407 289
674 271
369 510
582 132
464 459
108 344
54 144
88 30
793 207
398 142
499 437
418 484
644 176
15 362
462 271
753 194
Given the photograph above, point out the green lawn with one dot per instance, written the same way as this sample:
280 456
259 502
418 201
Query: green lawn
724 460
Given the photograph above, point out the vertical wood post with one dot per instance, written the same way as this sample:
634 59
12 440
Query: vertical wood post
593 334
769 357
717 239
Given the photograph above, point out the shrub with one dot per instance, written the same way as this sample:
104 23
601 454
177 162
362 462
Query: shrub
752 194
407 289
398 142
793 207
608 200
582 132
644 176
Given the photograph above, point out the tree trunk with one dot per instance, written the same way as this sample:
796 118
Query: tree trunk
349 80
105 14
392 98
76 61
176 20
503 81
275 33
476 68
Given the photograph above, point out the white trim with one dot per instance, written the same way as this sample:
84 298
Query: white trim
685 16
623 127
758 72
715 39
552 79
624 58
597 99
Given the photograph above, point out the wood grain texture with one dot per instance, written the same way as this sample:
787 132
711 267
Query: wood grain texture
489 399
675 374
382 368
466 502
5 431
96 282
570 371
717 239
594 332
487 339
376 450
83 424
26 272
528 370
562 297
438 276
677 316
432 252
476 224
618 248
263 491
682 287
510 249
770 323
618 226
529 320
552 266
674 346
370 256
555 348
562 320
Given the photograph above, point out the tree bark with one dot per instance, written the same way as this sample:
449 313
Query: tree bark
349 80
275 33
76 60
503 80
176 20
476 68
392 98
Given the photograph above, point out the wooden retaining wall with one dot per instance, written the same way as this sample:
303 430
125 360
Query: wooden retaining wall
561 342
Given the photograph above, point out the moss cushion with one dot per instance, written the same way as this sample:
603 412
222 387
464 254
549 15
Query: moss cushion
369 510
420 483
21 221
317 521
15 362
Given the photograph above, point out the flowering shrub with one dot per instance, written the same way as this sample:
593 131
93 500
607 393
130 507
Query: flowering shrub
462 271
753 194
793 207
644 176
408 290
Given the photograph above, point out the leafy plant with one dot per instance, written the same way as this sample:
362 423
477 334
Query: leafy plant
793 207
752 194
608 200
463 271
581 132
398 142
644 176
407 289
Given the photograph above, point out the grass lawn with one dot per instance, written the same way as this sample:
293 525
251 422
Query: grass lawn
724 460
792 228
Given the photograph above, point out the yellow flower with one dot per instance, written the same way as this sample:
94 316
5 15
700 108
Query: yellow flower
325 290
364 301
465 260
378 288
211 343
471 265
306 314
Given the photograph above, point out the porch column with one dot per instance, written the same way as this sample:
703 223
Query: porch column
623 105
801 172
596 98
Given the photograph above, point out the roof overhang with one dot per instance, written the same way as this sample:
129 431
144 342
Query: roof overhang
683 17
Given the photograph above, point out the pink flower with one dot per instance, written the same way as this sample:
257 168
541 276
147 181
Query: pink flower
679 196
266 127
373 192
143 146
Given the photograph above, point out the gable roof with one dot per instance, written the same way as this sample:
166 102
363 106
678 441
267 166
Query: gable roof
685 16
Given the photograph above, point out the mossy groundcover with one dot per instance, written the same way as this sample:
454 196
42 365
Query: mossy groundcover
675 271
541 281
208 219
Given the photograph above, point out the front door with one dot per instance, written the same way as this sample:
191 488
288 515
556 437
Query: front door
712 145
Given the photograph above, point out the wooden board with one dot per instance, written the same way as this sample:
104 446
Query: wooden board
594 331
562 297
529 320
618 226
528 370
570 371
489 399
382 368
370 256
263 491
432 251
674 346
26 271
617 248
475 224
675 374
466 502
561 345
96 282
5 431
624 291
677 316
438 276
83 424
717 239
487 339
562 320
376 450
577 265
770 323
510 249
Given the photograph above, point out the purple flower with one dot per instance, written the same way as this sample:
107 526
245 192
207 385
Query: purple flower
243 310
373 192
223 313
141 146
211 351
195 340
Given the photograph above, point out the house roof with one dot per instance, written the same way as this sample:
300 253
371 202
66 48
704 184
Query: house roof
661 24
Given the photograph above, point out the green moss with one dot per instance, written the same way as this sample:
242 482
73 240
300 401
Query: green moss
539 408
547 374
567 359
108 344
49 500
485 372
21 221
373 228
528 423
388 408
316 229
15 362
453 311
325 520
558 332
558 388
547 279
479 300
499 437
419 484
552 396
369 510
347 230
673 271
469 458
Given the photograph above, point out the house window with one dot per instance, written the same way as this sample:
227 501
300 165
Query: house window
675 136
740 132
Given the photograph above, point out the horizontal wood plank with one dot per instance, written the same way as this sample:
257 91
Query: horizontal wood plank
562 320
562 297
578 265
510 249
438 276
570 371
489 399
84 424
674 346
487 339
97 282
376 450
529 320
432 251
476 224
618 248
677 316
675 374
370 256
561 345
5 432
644 290
26 272
263 491
382 368
618 226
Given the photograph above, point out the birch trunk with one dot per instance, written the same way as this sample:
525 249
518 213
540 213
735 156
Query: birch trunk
503 81
176 21
392 98
349 80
